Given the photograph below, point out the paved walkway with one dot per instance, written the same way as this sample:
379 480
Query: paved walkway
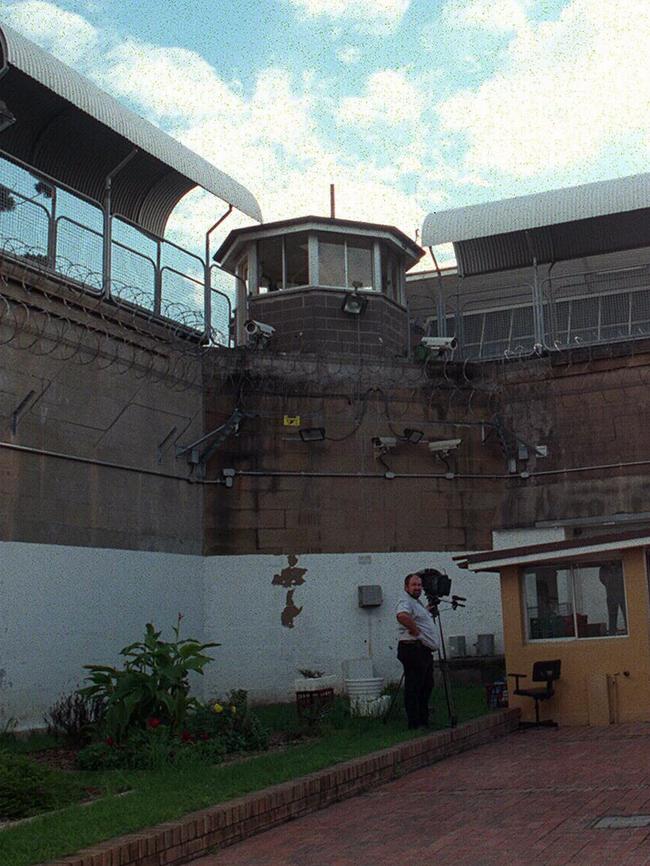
531 798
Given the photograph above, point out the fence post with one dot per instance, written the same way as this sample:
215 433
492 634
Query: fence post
538 309
51 233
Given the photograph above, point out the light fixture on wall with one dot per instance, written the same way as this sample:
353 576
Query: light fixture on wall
354 303
7 119
312 434
413 436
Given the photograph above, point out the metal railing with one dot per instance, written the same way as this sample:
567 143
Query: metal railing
46 224
587 308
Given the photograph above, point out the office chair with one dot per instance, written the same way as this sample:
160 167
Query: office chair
543 672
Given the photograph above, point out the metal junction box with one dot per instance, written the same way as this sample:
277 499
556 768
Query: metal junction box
370 596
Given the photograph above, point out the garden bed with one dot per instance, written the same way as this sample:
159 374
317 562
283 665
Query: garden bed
169 793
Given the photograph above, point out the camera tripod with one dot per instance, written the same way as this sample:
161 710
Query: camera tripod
434 610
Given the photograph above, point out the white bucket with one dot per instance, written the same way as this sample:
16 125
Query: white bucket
370 706
365 695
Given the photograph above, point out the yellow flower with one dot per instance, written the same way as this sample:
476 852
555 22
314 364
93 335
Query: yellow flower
233 709
218 708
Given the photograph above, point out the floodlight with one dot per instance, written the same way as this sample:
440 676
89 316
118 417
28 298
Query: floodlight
354 303
312 434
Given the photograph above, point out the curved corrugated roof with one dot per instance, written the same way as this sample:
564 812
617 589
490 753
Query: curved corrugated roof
541 209
591 219
56 107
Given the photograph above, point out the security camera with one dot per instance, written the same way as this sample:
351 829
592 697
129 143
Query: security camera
439 344
259 329
384 442
444 446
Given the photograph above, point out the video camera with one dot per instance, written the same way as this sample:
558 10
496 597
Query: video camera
437 584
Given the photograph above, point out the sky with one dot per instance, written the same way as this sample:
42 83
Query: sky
407 106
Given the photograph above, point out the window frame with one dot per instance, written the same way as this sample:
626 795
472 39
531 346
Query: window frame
570 567
322 237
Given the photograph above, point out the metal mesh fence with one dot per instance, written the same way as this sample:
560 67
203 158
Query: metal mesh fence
224 299
133 277
597 306
79 252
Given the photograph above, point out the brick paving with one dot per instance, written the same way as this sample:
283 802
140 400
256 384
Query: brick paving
529 798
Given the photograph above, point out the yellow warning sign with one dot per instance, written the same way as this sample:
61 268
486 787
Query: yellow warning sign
292 420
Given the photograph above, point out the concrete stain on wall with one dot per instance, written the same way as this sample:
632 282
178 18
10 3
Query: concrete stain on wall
290 576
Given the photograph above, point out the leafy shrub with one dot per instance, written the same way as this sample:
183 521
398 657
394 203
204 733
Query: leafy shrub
153 685
75 716
27 788
231 720
151 750
211 731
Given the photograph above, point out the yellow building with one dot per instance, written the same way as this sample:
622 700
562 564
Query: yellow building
583 601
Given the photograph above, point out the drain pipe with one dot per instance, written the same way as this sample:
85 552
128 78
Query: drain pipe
108 225
440 306
207 277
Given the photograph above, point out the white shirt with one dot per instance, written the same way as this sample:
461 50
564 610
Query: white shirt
421 617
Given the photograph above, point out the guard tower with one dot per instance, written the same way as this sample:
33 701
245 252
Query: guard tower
323 285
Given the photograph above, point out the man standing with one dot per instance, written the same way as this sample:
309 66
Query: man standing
417 642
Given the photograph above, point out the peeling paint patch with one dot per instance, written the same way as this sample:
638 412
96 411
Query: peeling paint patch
290 611
290 575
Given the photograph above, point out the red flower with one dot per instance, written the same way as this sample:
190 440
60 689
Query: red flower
186 737
109 741
205 735
153 722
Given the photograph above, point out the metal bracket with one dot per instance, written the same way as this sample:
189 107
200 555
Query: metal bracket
18 411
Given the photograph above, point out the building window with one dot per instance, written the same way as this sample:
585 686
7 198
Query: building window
283 262
575 601
390 274
345 263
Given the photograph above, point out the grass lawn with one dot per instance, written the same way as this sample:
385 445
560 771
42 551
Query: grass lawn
168 794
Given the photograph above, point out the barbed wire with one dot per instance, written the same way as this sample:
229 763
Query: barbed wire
75 323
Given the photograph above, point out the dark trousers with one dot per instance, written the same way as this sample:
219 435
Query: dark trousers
417 661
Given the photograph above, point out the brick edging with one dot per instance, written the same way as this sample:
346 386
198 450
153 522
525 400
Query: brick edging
198 833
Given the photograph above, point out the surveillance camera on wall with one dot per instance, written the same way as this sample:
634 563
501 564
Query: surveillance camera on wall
259 329
444 446
384 442
439 344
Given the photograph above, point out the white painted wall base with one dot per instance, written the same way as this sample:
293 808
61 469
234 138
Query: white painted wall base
63 607
244 608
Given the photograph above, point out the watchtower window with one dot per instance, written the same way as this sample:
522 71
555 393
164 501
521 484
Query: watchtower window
344 262
283 262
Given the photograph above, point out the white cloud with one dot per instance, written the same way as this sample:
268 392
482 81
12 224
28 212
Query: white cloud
497 16
349 54
372 16
569 89
171 84
390 99
272 139
65 34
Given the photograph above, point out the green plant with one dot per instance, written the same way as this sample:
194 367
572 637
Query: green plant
231 721
153 686
75 716
167 794
27 788
153 749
